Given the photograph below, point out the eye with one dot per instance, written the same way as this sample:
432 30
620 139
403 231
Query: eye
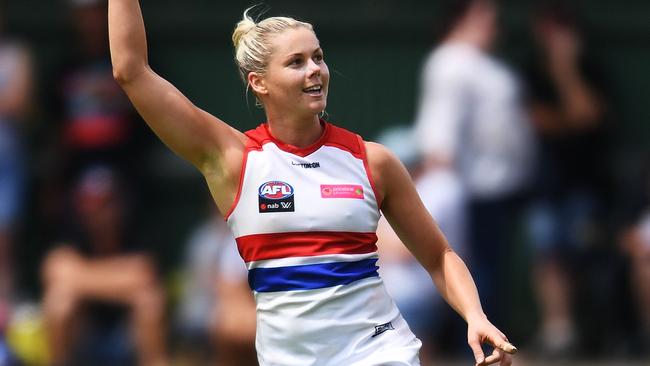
296 62
318 58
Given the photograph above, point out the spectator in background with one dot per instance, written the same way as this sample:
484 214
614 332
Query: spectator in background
15 88
96 276
217 309
472 122
566 218
635 244
405 280
95 121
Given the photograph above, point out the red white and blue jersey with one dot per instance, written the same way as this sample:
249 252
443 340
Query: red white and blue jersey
305 222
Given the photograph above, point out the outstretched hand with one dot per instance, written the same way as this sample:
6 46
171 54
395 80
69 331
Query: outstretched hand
480 331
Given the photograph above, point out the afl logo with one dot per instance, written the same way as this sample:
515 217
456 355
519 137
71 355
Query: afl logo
275 190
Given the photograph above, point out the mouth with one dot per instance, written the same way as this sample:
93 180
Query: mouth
314 90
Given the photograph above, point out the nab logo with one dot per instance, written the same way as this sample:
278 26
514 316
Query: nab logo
275 196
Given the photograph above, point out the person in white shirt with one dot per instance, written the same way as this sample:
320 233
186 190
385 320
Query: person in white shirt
471 120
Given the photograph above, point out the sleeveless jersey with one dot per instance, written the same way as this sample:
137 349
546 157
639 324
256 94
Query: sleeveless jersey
305 222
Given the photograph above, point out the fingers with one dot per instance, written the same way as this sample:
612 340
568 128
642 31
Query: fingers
503 344
497 355
500 341
506 360
507 347
485 332
475 345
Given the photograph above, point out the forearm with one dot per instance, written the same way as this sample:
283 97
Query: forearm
455 283
405 212
127 38
415 227
14 100
580 104
14 104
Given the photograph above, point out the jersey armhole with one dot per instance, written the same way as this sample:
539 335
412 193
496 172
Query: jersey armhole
239 185
364 157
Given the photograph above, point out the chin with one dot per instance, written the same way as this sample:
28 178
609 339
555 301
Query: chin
318 107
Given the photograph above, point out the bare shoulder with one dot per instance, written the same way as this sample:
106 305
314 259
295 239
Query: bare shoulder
383 164
380 157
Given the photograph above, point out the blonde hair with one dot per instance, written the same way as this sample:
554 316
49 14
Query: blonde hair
252 41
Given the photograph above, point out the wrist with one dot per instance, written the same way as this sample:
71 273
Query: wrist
477 315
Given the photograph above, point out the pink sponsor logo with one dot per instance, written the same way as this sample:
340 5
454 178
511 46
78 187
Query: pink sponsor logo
341 191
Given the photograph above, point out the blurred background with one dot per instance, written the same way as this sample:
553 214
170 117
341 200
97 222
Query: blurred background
524 124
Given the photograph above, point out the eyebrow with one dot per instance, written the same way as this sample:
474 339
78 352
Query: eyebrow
300 54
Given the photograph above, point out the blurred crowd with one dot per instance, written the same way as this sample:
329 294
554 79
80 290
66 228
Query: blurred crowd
514 164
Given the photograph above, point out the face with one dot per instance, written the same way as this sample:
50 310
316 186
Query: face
297 77
99 206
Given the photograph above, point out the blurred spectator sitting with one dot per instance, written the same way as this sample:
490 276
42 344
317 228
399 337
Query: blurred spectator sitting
93 121
406 281
217 309
96 277
15 85
566 217
471 120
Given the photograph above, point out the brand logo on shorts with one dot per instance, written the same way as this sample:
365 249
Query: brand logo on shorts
379 329
275 196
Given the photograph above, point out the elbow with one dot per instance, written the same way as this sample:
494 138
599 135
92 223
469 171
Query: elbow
439 260
125 74
122 77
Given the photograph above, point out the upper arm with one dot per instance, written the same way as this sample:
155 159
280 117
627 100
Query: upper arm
192 133
403 207
14 98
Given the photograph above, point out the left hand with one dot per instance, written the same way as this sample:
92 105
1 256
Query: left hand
479 331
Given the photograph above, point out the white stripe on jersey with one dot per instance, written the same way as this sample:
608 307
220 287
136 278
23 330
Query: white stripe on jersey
300 261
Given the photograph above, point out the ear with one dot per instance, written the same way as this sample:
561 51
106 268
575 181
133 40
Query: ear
256 82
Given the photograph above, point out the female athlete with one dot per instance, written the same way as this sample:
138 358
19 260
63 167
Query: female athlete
303 198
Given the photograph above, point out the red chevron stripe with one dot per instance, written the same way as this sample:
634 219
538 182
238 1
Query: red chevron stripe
304 244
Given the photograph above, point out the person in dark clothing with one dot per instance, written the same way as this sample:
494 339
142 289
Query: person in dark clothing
634 241
97 275
568 110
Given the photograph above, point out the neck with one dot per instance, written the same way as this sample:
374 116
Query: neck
469 38
298 132
106 241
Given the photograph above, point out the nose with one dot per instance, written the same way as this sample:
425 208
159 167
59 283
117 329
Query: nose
313 69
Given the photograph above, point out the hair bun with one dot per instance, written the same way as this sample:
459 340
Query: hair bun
244 26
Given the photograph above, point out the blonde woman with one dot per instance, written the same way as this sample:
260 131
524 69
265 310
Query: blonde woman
303 198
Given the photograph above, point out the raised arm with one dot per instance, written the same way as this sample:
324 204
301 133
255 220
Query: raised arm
14 98
416 228
204 140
